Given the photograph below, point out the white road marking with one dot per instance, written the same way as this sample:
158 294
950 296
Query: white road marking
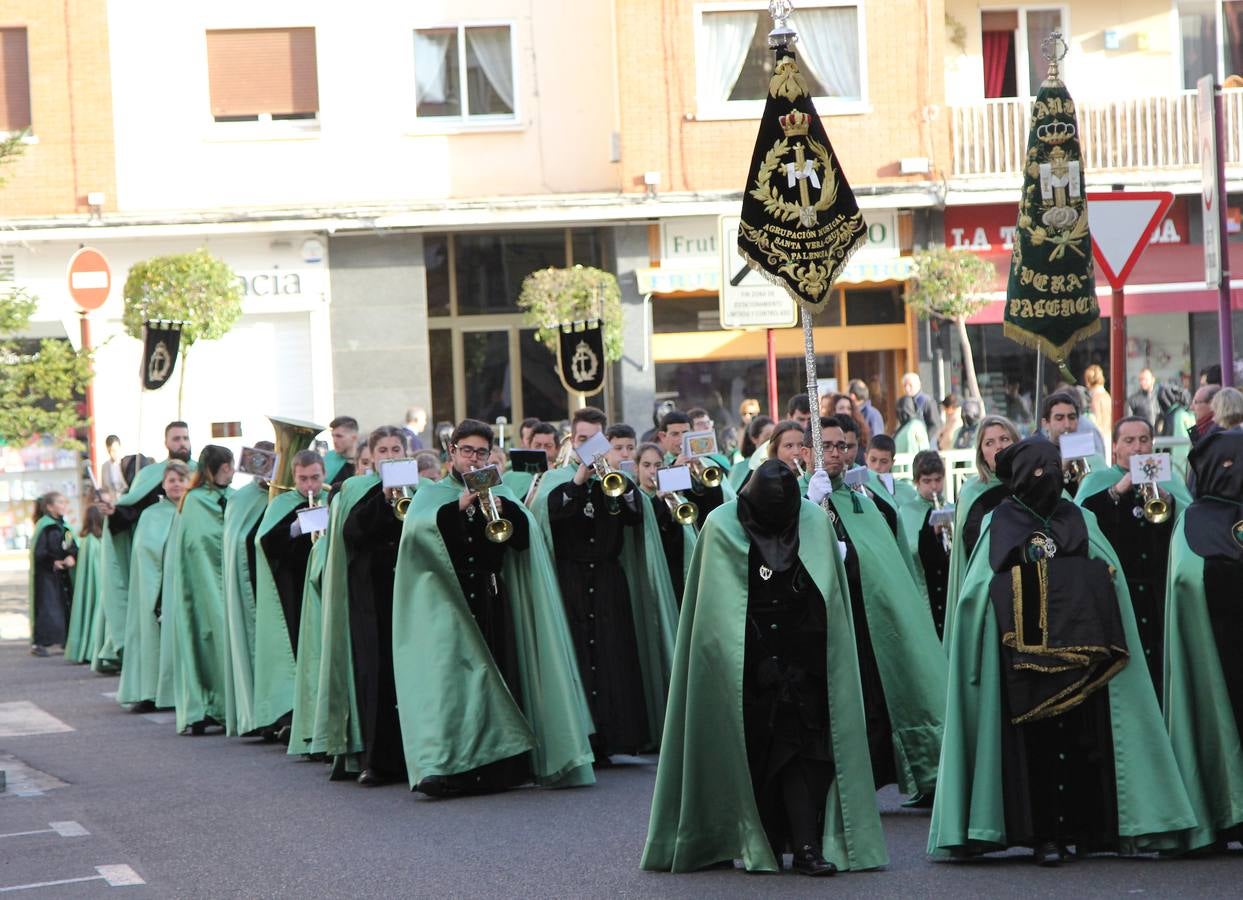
64 829
111 695
161 718
113 876
24 780
21 717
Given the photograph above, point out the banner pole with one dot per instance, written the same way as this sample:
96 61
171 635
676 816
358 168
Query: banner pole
813 395
1036 391
772 376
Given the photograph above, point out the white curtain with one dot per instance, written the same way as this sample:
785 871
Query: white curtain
491 48
431 65
729 36
829 45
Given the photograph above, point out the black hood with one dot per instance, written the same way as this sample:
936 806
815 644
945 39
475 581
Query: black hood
1217 462
1017 466
768 510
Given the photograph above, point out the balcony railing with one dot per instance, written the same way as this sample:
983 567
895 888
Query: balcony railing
1140 133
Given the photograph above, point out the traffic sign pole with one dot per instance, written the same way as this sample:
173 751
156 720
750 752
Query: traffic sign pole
89 279
1117 352
91 449
1224 326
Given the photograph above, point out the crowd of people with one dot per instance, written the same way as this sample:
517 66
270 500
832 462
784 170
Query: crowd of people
1048 663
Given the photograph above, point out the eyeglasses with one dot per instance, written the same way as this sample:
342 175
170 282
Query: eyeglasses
476 452
839 446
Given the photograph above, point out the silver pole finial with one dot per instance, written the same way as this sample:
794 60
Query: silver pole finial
1054 49
781 35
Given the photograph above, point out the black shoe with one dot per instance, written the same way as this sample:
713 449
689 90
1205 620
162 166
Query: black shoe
1047 854
438 786
198 729
143 706
919 800
371 778
338 772
808 861
36 650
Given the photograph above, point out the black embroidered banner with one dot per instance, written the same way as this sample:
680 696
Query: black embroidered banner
580 356
160 344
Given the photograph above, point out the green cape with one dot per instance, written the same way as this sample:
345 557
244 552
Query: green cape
43 523
334 726
456 711
199 653
518 483
310 636
1181 419
911 515
912 437
275 667
972 489
1202 729
140 675
738 473
968 811
166 689
333 463
83 635
1103 479
241 516
903 490
904 640
115 559
703 810
652 603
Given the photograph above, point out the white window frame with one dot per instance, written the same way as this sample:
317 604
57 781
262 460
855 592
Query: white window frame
466 122
710 108
1022 60
1177 27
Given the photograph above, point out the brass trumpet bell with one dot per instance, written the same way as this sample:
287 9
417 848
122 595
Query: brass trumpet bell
401 507
708 474
498 531
613 484
684 512
1155 509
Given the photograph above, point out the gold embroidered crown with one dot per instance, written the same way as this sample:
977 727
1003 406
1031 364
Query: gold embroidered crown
1055 133
795 123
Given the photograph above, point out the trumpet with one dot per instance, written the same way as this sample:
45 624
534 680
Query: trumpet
401 505
499 529
706 473
1154 509
612 482
947 530
684 512
311 504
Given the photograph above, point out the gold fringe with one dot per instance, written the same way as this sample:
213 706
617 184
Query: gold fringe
780 282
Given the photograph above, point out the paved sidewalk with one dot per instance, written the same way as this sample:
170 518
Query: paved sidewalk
14 604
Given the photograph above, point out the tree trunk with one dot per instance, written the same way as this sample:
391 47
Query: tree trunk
181 382
968 360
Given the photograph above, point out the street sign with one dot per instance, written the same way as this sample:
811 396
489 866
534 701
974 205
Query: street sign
1210 189
90 279
748 299
1122 225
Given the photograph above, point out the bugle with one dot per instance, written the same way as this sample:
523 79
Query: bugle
1154 509
684 512
707 473
499 529
612 482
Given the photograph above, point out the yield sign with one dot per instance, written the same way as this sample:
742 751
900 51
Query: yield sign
1122 224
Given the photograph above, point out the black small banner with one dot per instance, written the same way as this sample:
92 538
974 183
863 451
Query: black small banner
161 341
580 356
800 222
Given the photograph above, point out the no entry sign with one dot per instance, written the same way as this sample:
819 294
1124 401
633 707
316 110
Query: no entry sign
90 278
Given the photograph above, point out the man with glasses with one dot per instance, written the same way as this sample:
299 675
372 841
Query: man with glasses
901 664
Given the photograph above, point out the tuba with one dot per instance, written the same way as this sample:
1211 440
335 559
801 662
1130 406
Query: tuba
1154 509
292 437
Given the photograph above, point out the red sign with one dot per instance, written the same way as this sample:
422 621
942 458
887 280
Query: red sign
90 279
990 229
1123 223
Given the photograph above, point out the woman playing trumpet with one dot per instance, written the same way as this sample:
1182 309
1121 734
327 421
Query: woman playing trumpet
675 517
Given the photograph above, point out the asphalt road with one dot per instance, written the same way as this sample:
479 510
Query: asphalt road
216 817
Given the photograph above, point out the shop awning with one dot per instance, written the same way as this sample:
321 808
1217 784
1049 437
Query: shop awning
863 269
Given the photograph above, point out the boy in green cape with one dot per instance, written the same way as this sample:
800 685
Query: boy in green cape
141 675
1203 665
901 665
1142 545
487 690
282 555
928 544
197 557
144 490
885 487
241 522
765 744
53 553
1053 736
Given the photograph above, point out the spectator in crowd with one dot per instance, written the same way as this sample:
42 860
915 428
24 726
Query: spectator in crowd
924 407
951 410
844 405
111 477
1143 403
524 432
1211 374
416 424
747 410
1100 405
1227 409
859 392
1202 409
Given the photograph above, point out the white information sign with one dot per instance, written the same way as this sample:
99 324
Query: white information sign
1210 191
748 299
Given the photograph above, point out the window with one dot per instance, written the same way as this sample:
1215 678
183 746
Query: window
14 81
262 74
734 62
1014 63
1200 22
490 267
464 73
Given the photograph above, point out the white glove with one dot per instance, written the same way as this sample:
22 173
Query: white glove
295 528
819 487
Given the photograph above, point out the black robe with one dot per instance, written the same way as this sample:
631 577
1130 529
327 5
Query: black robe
785 702
875 708
287 559
935 562
1144 551
588 530
53 588
477 564
706 499
372 533
673 542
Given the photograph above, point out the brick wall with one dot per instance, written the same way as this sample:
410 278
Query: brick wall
71 108
905 42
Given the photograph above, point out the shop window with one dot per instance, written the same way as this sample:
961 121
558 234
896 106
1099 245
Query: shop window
464 73
14 81
436 264
485 357
490 267
1199 22
1014 64
262 74
672 314
586 246
543 395
874 306
440 357
734 62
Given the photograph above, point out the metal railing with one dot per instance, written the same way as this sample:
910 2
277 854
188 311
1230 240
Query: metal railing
1143 133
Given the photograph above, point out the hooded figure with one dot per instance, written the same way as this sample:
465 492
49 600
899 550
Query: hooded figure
765 618
1174 419
1203 665
912 434
1051 737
